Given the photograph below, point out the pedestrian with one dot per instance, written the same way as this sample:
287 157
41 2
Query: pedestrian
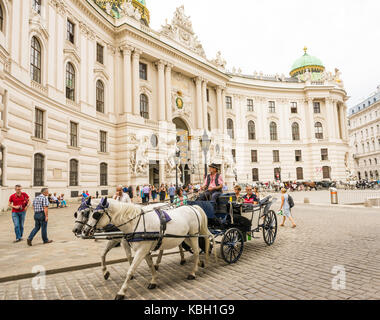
285 209
41 217
162 192
130 192
172 193
55 200
121 196
19 202
97 194
154 193
63 201
146 191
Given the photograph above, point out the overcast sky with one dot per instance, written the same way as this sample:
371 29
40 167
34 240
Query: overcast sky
270 35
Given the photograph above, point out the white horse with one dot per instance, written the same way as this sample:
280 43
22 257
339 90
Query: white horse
186 222
82 216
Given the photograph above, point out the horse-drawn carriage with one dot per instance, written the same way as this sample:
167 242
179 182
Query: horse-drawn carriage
225 223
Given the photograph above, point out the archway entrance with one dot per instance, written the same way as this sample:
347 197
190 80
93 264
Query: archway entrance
183 142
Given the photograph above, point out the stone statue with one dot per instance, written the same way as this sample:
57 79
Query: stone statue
219 61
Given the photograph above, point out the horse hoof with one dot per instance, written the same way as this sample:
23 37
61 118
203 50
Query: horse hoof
107 275
183 262
156 267
119 297
190 277
152 286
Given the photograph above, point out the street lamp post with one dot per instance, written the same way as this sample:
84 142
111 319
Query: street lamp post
177 157
205 144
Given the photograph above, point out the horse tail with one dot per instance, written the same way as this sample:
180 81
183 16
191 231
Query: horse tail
204 231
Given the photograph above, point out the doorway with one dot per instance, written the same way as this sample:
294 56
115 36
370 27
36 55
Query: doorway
154 173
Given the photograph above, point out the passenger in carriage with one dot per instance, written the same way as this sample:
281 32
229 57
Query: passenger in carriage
251 196
213 185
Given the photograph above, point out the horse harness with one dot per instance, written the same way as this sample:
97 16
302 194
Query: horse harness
148 236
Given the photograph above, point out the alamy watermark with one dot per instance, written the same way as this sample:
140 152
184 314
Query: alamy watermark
338 282
39 281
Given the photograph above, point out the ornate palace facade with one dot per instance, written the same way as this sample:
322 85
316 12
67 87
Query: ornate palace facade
92 97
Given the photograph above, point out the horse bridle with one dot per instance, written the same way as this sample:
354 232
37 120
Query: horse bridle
86 214
97 216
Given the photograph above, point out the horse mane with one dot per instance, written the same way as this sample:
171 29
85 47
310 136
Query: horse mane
124 211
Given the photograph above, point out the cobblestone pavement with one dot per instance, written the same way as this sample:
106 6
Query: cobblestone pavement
298 266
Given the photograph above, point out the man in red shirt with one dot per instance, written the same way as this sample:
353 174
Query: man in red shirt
19 202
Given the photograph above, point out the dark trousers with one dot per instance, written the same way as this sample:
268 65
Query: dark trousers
171 199
208 195
40 223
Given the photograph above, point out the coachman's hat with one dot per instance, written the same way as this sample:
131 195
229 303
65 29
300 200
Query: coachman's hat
213 165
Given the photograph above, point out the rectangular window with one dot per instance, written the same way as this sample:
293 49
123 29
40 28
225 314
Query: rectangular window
299 173
254 157
250 105
143 71
255 175
293 107
70 31
325 154
276 156
103 141
234 155
39 124
272 107
228 102
99 53
73 134
298 156
317 107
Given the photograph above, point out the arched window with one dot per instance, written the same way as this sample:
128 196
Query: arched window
326 172
209 121
299 173
230 128
273 131
99 96
318 131
70 82
37 6
296 131
103 174
74 173
39 165
35 60
1 18
251 130
144 106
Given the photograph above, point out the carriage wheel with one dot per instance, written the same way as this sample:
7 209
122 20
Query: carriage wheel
270 228
232 245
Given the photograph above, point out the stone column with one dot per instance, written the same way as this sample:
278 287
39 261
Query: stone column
343 121
331 117
161 90
224 110
219 103
204 104
198 84
136 81
336 119
168 85
127 72
310 119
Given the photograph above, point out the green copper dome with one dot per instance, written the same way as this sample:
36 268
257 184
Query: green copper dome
306 62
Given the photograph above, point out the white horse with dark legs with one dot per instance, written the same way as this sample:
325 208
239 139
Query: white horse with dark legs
187 223
82 216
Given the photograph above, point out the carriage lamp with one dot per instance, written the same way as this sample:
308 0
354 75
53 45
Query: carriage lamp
205 144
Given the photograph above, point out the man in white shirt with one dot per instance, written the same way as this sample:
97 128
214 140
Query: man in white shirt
121 196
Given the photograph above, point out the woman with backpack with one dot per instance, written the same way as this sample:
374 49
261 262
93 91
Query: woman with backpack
285 209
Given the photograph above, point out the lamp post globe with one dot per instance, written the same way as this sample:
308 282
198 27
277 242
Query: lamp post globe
205 144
